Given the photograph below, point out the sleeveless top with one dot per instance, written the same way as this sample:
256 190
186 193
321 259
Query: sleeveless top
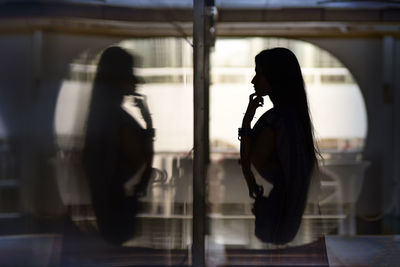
279 215
114 151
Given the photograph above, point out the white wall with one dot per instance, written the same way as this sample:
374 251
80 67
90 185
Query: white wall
28 98
364 58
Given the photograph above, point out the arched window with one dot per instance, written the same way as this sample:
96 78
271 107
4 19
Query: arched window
335 101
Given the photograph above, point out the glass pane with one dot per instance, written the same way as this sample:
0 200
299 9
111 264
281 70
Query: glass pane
157 228
236 235
83 182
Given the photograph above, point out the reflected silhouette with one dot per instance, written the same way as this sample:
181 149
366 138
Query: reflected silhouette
118 151
280 146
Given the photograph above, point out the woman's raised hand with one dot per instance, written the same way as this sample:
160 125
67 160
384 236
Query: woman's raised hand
141 103
255 190
255 102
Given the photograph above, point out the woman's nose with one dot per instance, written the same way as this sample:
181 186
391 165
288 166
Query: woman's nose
253 80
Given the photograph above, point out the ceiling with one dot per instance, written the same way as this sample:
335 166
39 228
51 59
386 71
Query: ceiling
265 4
297 18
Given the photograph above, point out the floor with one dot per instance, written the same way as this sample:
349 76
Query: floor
54 250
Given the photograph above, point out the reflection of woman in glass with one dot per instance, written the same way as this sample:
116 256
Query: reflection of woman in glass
280 146
116 147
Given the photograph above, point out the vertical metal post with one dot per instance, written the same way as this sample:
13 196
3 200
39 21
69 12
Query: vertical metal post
199 164
392 83
27 150
396 158
390 100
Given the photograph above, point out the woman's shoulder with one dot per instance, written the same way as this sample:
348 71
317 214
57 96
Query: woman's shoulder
281 115
129 123
267 120
276 118
269 117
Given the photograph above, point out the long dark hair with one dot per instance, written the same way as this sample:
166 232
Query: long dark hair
282 70
115 213
114 69
279 216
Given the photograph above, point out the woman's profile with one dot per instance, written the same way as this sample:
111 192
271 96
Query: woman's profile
280 146
117 147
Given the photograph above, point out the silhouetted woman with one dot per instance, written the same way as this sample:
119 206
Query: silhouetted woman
280 146
116 147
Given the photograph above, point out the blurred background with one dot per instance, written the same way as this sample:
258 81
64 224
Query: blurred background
349 52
